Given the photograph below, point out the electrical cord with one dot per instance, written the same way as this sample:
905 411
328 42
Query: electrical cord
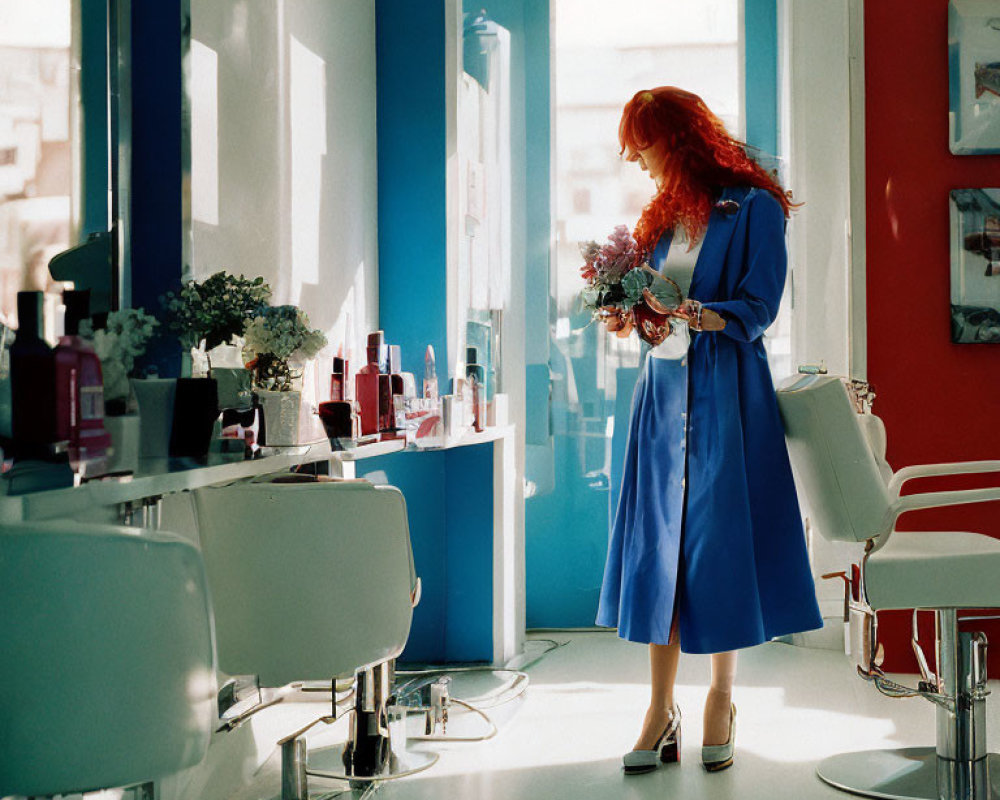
443 738
520 683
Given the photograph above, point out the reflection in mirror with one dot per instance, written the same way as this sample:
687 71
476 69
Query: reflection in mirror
36 151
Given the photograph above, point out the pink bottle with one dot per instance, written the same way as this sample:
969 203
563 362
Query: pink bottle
80 390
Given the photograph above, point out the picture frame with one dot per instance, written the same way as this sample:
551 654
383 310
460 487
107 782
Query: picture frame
974 77
975 266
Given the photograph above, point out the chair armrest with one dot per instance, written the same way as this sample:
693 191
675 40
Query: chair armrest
929 470
915 502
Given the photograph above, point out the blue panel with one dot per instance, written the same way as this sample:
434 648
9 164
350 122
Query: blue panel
469 522
411 129
761 37
449 504
420 477
156 162
94 105
538 211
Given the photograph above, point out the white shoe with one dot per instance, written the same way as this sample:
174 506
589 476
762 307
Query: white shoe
666 750
716 757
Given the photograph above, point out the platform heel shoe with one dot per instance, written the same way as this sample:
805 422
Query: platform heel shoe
667 749
720 756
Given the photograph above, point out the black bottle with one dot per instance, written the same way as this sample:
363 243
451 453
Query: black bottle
32 377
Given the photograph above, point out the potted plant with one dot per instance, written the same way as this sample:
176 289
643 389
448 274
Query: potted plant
123 339
279 338
215 310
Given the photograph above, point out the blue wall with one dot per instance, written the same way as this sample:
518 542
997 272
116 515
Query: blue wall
412 223
449 506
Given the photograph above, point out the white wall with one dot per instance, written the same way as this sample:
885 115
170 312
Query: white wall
819 113
283 153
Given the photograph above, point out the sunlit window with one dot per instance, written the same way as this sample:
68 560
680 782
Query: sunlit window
604 53
36 171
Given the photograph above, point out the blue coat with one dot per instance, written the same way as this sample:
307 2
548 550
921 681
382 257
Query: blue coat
708 523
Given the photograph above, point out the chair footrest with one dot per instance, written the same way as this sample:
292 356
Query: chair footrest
913 773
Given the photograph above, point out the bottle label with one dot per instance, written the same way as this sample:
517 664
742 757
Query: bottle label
91 402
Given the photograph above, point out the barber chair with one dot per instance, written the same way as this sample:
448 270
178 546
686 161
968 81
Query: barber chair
314 581
837 449
107 666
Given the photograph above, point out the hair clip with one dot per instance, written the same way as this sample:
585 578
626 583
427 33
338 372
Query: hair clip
728 207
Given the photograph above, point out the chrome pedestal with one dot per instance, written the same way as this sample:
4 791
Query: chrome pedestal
959 766
913 772
366 757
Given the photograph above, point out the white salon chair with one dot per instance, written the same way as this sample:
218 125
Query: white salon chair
838 455
107 665
315 581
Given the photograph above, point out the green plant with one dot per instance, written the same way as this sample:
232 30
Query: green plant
215 309
123 339
275 335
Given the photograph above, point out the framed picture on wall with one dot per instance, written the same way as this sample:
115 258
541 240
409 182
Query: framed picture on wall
974 76
975 266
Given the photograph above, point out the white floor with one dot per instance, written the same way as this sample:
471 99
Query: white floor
564 737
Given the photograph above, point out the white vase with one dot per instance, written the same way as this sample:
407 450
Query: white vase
124 431
281 417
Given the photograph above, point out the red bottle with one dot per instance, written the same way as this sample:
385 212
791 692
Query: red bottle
80 389
366 384
338 380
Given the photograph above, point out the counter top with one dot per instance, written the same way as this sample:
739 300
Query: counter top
165 476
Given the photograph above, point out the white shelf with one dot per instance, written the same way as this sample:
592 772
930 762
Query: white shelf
166 476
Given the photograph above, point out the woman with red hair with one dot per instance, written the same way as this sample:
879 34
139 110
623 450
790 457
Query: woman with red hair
707 552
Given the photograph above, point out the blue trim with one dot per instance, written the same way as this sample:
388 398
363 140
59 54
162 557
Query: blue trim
760 20
94 111
412 222
156 164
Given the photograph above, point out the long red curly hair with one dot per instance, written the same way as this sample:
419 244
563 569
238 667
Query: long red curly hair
702 158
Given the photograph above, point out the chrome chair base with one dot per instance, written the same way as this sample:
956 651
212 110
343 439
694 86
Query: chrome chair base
912 773
328 762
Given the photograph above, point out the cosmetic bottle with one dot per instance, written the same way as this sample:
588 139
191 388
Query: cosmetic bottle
32 375
80 390
430 375
475 376
396 369
366 385
386 421
378 352
338 380
341 423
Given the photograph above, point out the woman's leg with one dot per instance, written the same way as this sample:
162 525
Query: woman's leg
720 693
663 660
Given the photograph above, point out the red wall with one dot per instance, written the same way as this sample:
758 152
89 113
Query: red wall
940 401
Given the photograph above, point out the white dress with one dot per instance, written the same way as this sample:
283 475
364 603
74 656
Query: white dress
679 266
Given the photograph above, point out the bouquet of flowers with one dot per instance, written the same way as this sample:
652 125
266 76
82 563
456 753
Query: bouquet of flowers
620 282
216 309
276 334
123 339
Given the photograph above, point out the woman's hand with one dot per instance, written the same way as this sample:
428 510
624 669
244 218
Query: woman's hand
700 318
618 321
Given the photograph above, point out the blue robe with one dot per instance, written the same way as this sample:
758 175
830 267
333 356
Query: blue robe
708 523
